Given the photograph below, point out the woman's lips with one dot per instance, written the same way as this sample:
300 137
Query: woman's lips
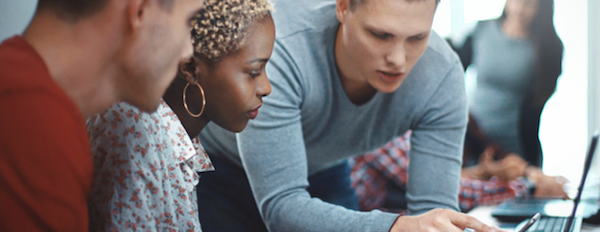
390 77
253 113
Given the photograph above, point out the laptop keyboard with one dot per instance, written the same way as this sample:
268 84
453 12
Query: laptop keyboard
548 224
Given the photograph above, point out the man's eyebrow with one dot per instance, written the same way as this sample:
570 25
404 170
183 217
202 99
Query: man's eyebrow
374 29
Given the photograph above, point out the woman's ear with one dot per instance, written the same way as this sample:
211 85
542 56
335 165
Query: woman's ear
201 68
187 71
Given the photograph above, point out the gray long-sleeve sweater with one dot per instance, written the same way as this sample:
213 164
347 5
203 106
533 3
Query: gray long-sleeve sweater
308 124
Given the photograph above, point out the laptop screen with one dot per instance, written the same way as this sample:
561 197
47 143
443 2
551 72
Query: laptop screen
586 168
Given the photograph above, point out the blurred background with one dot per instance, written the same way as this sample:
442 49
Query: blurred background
569 117
573 112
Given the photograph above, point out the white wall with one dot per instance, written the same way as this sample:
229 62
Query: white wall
14 16
564 122
594 82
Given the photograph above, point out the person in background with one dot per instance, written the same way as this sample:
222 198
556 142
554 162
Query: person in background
489 175
75 59
518 59
146 164
348 76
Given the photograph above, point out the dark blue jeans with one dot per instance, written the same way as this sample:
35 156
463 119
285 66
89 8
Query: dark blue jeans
226 203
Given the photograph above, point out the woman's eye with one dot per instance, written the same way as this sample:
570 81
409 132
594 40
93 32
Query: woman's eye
254 73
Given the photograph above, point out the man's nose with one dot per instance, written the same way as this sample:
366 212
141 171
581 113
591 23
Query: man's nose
396 56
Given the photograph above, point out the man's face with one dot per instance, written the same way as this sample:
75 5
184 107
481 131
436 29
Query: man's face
163 42
383 39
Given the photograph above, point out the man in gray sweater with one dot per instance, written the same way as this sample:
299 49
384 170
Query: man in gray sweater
341 87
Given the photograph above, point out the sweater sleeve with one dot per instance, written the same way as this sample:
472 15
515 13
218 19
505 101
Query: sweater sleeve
273 153
436 147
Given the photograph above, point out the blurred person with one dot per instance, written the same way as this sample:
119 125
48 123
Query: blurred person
75 59
518 59
347 77
380 176
146 164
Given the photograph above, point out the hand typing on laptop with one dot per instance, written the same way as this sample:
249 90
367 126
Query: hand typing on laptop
440 220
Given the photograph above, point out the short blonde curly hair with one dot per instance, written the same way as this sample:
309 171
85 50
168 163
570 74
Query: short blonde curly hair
221 27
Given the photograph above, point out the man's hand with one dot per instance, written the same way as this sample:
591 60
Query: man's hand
440 220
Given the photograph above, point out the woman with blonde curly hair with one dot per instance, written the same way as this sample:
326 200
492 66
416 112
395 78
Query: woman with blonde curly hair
146 164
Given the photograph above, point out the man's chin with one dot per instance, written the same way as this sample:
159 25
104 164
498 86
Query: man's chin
388 88
147 106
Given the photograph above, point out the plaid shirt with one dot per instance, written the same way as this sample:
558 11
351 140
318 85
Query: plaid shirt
372 172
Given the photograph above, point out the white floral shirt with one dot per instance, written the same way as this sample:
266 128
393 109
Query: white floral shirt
145 171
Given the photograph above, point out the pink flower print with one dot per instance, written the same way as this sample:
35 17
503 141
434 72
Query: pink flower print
117 118
160 147
150 186
140 149
153 168
140 172
134 196
139 204
120 205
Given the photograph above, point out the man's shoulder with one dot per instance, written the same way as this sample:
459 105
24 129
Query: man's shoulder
297 17
440 53
21 67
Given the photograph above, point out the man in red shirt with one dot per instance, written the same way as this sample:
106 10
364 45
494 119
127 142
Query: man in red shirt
75 59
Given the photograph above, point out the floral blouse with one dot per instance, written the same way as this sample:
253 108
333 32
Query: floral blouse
145 171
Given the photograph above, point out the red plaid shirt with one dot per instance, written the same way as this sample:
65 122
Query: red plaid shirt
372 171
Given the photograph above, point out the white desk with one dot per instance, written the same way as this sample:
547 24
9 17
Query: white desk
484 214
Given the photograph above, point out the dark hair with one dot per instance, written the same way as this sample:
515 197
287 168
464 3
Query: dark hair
548 52
356 3
74 10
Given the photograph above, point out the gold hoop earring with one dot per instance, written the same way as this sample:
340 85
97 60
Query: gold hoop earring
185 102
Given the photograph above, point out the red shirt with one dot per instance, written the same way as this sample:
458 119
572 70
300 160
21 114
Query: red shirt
45 159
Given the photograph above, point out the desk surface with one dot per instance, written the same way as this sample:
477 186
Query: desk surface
484 214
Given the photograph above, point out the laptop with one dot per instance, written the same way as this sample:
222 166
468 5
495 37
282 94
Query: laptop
519 209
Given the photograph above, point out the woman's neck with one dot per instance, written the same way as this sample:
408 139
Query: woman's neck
174 97
514 29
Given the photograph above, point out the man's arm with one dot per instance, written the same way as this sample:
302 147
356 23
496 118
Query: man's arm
273 153
436 147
